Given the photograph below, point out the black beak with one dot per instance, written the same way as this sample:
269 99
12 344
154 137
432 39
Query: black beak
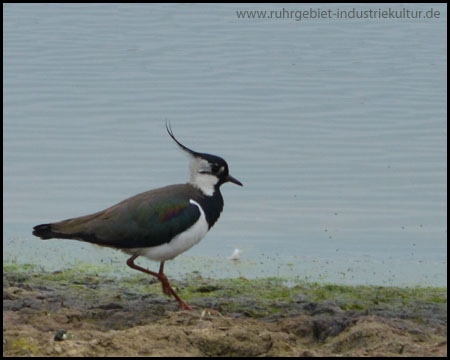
233 180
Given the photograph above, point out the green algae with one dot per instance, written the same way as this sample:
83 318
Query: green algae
255 297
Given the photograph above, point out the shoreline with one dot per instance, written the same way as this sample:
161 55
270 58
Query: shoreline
103 315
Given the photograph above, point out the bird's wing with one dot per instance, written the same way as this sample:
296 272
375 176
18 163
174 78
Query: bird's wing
145 220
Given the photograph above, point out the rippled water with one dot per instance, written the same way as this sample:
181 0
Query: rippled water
337 128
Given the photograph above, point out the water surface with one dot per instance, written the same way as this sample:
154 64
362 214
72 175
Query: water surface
337 128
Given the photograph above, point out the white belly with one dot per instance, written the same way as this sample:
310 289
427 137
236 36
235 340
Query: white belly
178 244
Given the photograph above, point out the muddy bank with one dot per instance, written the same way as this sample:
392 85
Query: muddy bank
83 312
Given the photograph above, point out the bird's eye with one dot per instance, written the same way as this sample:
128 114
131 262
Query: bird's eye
214 168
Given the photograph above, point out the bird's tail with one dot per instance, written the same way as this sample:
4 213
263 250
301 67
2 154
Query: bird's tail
54 231
44 231
76 228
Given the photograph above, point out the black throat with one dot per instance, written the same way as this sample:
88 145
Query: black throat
211 205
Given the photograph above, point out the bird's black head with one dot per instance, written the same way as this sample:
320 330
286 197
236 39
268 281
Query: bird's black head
207 171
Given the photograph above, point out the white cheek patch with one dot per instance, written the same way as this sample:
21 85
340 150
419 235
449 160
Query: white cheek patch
199 165
205 182
201 176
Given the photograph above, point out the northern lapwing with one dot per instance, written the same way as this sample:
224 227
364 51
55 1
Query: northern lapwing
158 224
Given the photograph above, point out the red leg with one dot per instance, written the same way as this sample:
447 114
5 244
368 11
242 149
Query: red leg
167 289
164 281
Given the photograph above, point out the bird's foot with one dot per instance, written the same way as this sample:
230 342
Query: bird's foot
167 289
184 306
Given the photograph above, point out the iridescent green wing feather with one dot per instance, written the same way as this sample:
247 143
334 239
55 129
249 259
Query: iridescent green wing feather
146 225
145 220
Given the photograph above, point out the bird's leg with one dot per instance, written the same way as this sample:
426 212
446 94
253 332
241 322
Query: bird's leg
167 289
164 281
